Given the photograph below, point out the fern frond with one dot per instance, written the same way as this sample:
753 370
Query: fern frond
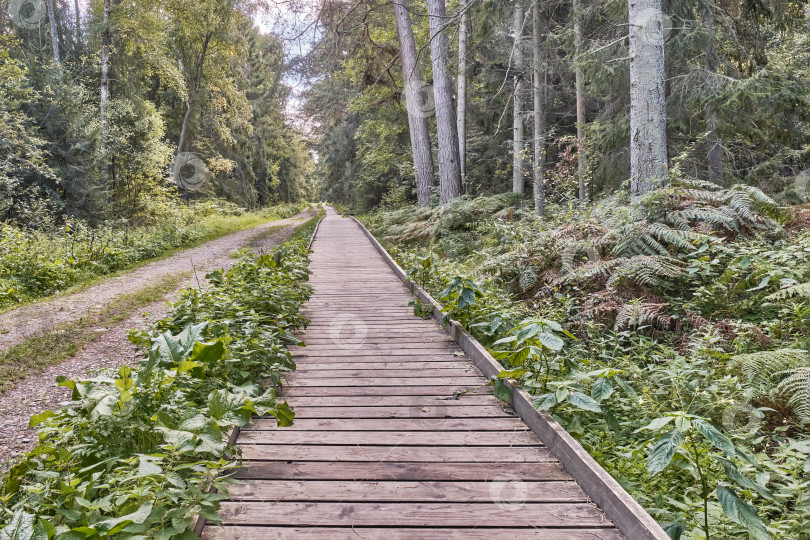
802 289
763 371
645 270
795 388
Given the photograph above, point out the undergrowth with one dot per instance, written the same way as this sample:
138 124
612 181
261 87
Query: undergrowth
35 263
668 334
136 452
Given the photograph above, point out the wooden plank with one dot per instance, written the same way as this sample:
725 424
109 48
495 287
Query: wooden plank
399 491
424 390
388 533
468 381
443 471
388 438
411 514
390 401
304 367
416 411
394 424
375 373
444 454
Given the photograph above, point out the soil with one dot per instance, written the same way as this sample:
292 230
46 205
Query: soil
38 392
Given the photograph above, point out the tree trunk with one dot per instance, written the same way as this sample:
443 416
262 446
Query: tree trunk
582 163
417 115
106 41
461 93
648 116
447 130
78 15
54 32
195 80
539 94
518 181
714 145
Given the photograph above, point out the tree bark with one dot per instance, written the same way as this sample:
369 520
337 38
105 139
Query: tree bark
54 32
417 116
106 41
713 142
582 163
461 93
539 94
518 181
446 127
78 14
195 80
648 118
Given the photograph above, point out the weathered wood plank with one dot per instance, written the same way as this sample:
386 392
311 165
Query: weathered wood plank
443 454
424 390
416 411
410 514
391 438
392 424
390 401
390 533
444 471
399 491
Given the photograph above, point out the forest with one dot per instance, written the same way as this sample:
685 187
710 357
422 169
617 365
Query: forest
610 199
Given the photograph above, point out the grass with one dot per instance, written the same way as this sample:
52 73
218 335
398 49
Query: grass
65 340
217 225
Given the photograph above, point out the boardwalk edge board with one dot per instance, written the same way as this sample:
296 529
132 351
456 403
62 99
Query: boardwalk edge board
199 525
619 506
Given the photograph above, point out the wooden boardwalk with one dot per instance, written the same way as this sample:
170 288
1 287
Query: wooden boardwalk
379 448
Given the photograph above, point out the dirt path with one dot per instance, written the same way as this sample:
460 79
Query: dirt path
38 392
31 319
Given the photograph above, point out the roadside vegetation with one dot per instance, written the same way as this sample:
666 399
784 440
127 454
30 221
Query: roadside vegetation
39 262
668 334
137 451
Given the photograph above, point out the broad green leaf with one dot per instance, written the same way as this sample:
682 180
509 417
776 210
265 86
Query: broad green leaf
742 513
138 516
734 474
674 529
502 391
627 388
20 527
584 402
228 409
284 414
204 353
37 419
551 341
512 374
657 424
662 452
147 468
601 389
715 437
545 402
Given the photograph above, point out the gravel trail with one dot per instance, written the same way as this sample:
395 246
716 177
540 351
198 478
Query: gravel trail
38 392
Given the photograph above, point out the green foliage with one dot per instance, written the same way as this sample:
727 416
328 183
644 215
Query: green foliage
34 264
136 452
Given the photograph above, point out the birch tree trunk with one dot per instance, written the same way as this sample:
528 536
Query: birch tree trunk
714 145
518 181
648 118
54 32
539 94
461 93
582 163
446 127
417 116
